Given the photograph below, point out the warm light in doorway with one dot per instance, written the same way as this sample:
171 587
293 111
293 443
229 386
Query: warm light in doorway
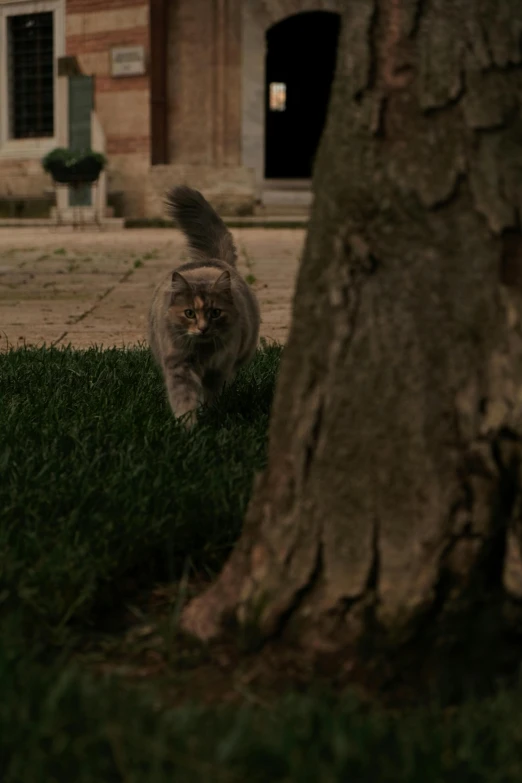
277 96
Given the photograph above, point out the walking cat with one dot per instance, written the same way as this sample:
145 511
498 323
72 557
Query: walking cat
204 319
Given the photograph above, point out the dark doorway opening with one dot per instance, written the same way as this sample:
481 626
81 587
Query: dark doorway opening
300 64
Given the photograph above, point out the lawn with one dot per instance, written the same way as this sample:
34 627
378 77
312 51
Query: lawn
110 515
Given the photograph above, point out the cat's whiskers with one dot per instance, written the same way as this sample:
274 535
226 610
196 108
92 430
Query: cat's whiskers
197 365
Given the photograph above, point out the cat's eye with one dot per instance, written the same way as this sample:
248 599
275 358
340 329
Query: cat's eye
215 313
190 313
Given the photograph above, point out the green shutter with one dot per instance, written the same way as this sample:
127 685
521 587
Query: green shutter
81 103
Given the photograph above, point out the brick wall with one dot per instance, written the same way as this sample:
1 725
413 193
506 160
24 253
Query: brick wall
93 27
203 99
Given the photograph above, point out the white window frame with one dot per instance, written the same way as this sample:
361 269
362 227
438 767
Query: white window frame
34 147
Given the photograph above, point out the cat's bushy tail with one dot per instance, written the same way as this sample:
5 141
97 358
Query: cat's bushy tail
207 235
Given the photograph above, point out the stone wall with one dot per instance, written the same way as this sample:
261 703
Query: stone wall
122 104
204 82
216 51
230 189
92 27
204 107
21 175
23 178
257 18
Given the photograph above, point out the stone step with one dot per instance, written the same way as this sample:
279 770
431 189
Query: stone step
284 202
106 222
283 220
233 221
274 202
287 210
301 198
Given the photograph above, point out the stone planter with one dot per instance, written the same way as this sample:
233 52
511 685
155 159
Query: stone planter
75 169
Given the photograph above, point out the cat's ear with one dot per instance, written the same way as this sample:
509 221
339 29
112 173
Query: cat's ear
179 282
223 284
179 285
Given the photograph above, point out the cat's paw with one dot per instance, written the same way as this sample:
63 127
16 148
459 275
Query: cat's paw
188 419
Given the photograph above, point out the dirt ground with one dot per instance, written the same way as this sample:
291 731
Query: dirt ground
90 287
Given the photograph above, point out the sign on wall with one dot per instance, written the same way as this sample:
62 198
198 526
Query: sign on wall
127 61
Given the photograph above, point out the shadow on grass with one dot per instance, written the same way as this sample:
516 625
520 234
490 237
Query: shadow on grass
98 480
102 496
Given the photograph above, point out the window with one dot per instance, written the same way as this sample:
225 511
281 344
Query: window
33 100
30 54
277 96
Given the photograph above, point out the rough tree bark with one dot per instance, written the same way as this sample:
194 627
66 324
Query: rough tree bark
392 485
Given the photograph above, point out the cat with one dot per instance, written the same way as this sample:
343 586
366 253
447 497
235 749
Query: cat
204 318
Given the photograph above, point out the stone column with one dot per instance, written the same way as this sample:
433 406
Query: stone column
227 83
255 22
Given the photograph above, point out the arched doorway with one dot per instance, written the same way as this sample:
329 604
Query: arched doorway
300 63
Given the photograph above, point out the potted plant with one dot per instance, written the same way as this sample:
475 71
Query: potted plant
74 167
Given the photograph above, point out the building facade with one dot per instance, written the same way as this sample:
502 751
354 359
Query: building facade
225 95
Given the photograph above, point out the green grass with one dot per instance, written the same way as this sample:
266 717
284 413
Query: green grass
100 487
60 725
97 478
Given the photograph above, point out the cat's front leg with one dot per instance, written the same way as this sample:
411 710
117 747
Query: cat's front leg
213 383
184 389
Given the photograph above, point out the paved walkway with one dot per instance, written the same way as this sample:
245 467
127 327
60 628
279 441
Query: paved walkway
94 288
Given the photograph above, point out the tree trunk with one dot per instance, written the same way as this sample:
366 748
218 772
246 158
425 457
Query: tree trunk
392 486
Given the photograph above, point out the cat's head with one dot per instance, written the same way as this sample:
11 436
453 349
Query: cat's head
202 310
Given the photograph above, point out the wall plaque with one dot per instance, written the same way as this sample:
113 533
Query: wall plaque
127 61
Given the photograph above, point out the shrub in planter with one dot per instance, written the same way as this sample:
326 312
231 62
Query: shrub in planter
74 167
